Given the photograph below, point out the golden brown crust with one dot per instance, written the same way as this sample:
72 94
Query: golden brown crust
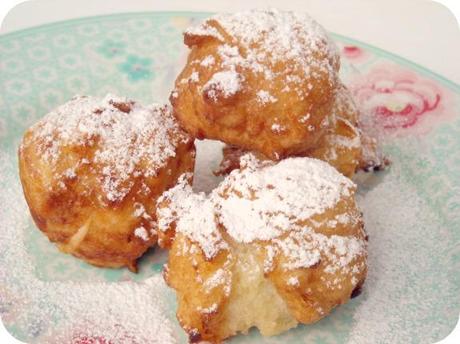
204 312
199 307
237 116
347 159
318 291
343 145
73 211
269 284
340 145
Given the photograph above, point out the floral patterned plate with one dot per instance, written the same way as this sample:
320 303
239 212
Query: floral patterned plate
412 210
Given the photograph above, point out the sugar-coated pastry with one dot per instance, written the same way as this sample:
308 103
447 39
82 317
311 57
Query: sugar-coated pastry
343 145
340 145
272 246
91 172
263 80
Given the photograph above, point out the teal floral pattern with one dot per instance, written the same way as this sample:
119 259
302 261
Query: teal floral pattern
111 48
137 68
140 55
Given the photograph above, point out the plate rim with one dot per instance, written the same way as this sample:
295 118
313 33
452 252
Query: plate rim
114 16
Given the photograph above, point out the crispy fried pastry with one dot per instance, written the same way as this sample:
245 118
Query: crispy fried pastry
91 172
343 145
271 247
346 145
261 80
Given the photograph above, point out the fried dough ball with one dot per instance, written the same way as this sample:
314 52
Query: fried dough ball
271 247
347 132
261 80
91 172
343 145
340 145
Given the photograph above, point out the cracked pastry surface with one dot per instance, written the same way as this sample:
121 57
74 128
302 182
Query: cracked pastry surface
92 169
261 80
272 246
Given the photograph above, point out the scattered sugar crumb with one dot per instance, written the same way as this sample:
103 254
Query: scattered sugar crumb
226 83
208 61
142 233
194 77
277 128
304 118
208 310
293 281
204 30
265 97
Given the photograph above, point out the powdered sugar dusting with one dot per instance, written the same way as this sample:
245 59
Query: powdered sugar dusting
281 34
142 233
273 196
208 61
204 30
293 281
220 277
277 128
65 312
262 202
260 39
226 83
409 273
122 133
265 97
194 216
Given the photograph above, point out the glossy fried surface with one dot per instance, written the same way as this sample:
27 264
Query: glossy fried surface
78 200
242 85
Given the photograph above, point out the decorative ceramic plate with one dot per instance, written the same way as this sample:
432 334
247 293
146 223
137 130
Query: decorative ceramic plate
412 210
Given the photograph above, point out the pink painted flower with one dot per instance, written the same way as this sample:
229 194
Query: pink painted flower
87 333
354 54
111 335
394 97
352 51
90 340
